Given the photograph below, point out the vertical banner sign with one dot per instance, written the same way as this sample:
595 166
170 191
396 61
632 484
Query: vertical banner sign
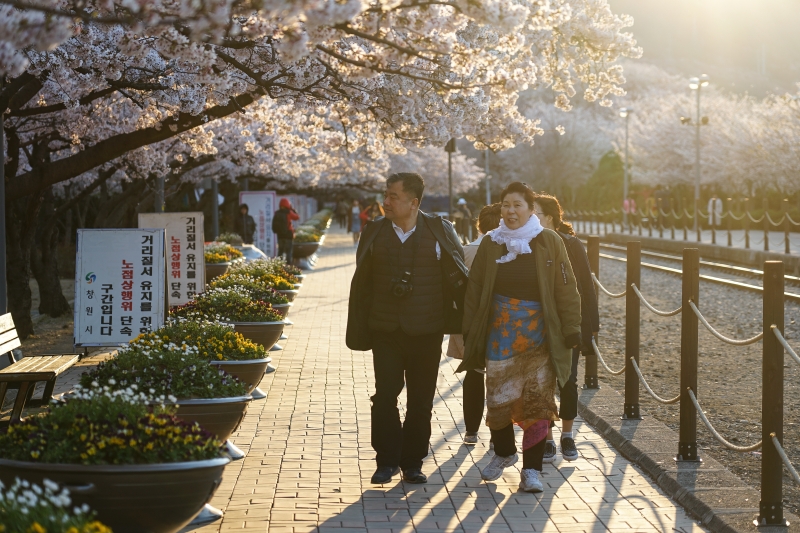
119 285
186 272
262 206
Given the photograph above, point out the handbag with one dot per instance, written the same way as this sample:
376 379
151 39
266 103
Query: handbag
455 346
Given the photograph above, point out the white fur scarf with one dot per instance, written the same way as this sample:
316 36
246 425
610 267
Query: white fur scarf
518 240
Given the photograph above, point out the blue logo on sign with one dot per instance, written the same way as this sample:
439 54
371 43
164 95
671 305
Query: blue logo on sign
90 277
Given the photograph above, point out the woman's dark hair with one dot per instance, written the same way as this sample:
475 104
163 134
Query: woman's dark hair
378 209
489 218
550 206
521 188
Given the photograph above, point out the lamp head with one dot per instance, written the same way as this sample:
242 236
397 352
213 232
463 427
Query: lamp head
704 79
694 83
625 111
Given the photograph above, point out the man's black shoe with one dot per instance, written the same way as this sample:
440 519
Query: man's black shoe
414 475
384 474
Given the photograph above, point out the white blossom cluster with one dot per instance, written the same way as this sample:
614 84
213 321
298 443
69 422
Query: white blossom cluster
26 497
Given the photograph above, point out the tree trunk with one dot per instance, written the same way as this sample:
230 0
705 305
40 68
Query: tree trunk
20 224
44 262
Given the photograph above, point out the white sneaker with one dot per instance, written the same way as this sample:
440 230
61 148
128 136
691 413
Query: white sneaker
530 480
495 467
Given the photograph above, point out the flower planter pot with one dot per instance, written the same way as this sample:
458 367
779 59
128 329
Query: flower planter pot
298 286
214 270
264 333
153 498
300 277
289 293
219 416
250 371
302 250
283 309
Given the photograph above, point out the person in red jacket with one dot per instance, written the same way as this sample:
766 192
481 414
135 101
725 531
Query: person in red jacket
283 229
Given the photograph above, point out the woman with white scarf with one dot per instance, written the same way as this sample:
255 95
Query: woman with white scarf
522 317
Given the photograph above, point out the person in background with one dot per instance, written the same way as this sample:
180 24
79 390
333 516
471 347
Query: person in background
375 212
522 318
406 294
473 388
629 208
355 222
714 212
551 216
463 219
244 224
283 228
341 212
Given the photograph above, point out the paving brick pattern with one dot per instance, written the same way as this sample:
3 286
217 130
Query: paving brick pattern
309 459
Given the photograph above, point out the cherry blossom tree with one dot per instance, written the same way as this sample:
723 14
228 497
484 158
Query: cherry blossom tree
431 163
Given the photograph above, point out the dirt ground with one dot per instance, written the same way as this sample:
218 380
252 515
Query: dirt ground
729 378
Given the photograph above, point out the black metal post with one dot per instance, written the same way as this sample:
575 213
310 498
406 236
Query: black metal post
634 276
730 222
214 208
770 508
712 214
650 223
690 292
593 249
746 221
450 147
786 228
672 218
3 283
765 204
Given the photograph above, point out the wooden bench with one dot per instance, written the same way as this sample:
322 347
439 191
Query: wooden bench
28 371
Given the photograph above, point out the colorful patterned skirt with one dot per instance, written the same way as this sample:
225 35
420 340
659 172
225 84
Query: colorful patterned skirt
520 377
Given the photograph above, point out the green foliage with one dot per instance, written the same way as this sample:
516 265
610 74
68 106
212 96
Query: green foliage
603 190
105 429
232 304
163 368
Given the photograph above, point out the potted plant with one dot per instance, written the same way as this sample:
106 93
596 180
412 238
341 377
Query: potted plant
218 258
137 465
254 319
257 288
216 342
28 507
202 393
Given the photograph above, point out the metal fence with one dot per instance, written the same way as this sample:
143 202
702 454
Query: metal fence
773 456
678 225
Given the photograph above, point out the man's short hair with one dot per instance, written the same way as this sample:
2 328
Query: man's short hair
412 183
243 205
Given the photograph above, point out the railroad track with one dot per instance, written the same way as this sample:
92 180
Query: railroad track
730 269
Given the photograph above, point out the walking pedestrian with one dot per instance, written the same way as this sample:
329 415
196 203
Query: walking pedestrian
355 221
473 390
342 209
406 293
521 320
714 212
551 216
463 219
283 228
244 224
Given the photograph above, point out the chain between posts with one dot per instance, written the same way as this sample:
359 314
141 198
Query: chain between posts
785 344
655 396
653 309
716 434
720 336
603 362
784 458
606 291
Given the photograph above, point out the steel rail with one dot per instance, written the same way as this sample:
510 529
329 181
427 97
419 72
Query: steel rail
736 284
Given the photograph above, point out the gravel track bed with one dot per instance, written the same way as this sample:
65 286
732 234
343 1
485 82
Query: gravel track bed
729 377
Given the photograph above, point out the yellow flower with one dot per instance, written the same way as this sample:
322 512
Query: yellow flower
36 527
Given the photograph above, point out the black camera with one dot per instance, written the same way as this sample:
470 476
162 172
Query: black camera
400 288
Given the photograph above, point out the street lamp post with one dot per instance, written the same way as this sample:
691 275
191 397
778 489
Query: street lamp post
488 180
696 84
450 147
625 113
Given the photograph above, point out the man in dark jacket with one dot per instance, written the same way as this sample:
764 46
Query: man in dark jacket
283 229
407 291
244 224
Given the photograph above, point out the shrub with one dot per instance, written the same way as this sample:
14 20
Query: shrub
29 508
163 368
233 303
231 238
220 252
269 271
306 237
257 288
214 340
101 428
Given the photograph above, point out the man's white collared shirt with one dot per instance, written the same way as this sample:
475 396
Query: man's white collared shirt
404 235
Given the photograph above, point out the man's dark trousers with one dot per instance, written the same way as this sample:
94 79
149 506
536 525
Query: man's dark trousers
401 359
285 247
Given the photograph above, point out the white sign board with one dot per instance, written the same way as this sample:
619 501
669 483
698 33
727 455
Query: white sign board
185 262
262 206
119 285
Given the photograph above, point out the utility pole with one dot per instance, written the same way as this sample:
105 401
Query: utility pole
450 147
214 209
625 113
696 84
488 179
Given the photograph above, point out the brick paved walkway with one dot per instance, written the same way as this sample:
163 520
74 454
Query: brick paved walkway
309 460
